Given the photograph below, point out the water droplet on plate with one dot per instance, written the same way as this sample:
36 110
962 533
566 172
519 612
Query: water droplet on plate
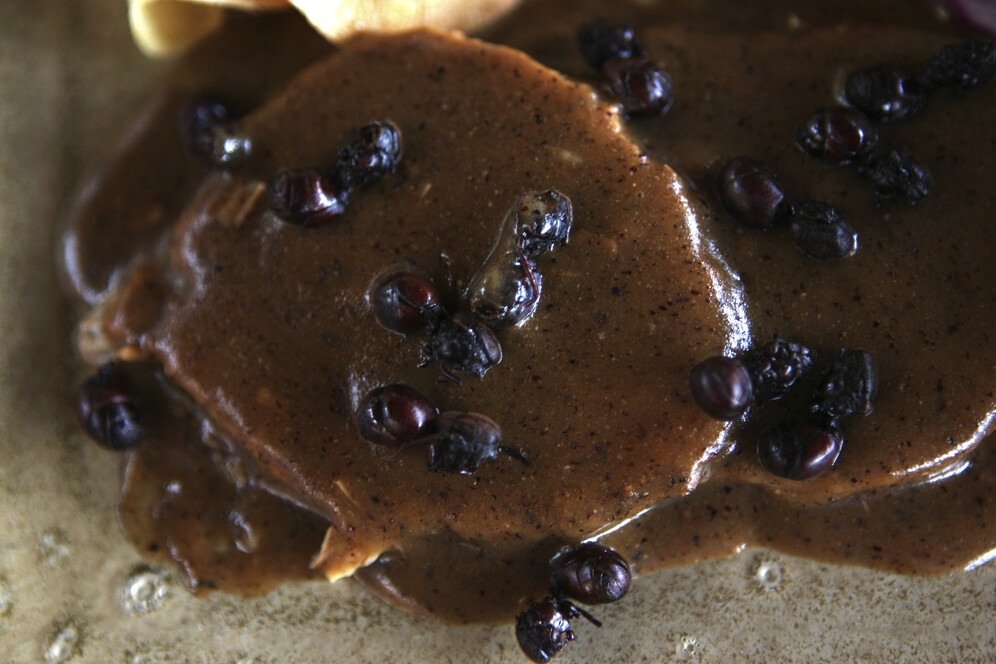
768 575
54 547
6 601
65 643
687 648
150 657
144 590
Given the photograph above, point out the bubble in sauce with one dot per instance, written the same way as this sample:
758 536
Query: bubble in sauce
54 547
66 642
6 600
768 574
6 605
687 648
144 590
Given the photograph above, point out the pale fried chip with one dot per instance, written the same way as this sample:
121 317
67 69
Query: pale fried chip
337 19
340 557
166 27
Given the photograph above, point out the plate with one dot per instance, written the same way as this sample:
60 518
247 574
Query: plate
72 589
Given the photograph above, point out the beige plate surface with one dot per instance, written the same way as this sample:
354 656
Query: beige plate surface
73 590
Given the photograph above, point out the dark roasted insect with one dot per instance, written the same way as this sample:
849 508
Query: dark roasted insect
820 231
799 450
590 573
504 292
838 135
846 388
461 442
641 86
897 175
208 130
884 93
394 415
370 156
406 302
722 387
750 193
307 198
461 343
962 66
107 412
601 41
545 627
776 366
542 222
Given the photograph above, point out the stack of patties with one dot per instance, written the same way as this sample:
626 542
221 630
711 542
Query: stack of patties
449 300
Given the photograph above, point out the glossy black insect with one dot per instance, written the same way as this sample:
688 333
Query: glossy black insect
394 415
898 175
461 442
590 573
601 41
542 222
722 387
505 291
884 93
820 231
107 412
406 302
799 450
544 629
641 86
776 366
462 343
846 388
207 129
374 153
307 198
837 135
750 193
962 66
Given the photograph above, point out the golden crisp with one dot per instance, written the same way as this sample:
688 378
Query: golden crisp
167 27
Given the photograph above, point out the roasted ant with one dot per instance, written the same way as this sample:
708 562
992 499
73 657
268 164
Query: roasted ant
588 573
399 417
109 414
544 629
462 343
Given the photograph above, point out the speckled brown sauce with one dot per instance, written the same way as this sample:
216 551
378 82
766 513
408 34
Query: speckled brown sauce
255 339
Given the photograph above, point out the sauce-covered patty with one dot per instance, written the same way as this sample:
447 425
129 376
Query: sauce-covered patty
270 298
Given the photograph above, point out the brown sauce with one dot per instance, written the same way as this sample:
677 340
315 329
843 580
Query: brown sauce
188 497
928 529
595 386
